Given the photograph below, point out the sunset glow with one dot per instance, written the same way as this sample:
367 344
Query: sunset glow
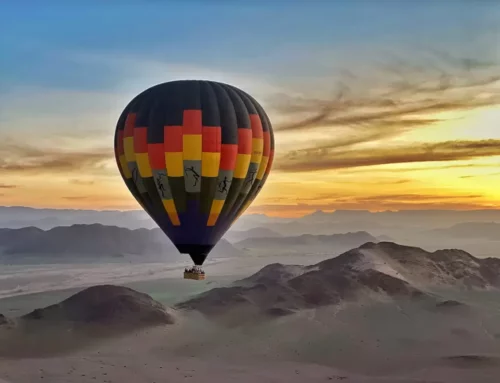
56 147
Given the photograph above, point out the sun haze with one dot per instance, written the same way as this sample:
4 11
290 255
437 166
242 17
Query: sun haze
365 116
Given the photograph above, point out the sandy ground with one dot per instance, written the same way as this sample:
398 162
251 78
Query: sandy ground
147 357
24 288
17 280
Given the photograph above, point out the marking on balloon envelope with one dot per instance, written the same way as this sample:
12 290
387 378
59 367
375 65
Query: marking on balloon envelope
250 178
174 164
162 185
223 184
224 181
136 177
192 176
157 160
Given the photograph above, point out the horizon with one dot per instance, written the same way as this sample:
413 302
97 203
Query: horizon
397 117
264 214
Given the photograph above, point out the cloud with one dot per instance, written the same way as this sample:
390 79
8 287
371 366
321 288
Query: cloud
388 109
25 158
75 198
383 198
321 159
373 205
81 182
411 197
417 169
398 182
481 175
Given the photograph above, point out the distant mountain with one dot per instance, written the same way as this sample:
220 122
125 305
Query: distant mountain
370 272
16 217
302 226
96 241
479 230
384 238
377 223
309 243
319 222
11 236
406 217
256 232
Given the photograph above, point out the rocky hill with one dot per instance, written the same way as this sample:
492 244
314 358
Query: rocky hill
373 271
106 305
82 320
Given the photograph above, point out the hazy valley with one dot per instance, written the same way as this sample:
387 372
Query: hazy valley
342 304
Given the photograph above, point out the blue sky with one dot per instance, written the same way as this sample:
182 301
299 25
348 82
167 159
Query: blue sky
55 44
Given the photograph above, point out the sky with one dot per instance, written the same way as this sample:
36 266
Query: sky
385 105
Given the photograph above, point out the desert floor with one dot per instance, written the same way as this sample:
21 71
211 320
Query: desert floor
391 343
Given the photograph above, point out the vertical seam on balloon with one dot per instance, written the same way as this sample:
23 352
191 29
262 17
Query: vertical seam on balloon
136 176
118 145
121 128
253 192
144 169
250 195
235 187
209 218
172 217
132 169
128 143
196 140
137 179
237 208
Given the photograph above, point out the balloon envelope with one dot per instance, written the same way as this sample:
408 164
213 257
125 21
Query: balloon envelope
194 154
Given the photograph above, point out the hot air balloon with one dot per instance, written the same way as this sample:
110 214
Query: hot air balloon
194 154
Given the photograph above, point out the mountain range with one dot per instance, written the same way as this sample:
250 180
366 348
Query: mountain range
95 240
307 242
318 222
480 230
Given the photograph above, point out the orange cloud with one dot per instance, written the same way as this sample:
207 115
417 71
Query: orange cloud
7 186
321 159
372 116
24 158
